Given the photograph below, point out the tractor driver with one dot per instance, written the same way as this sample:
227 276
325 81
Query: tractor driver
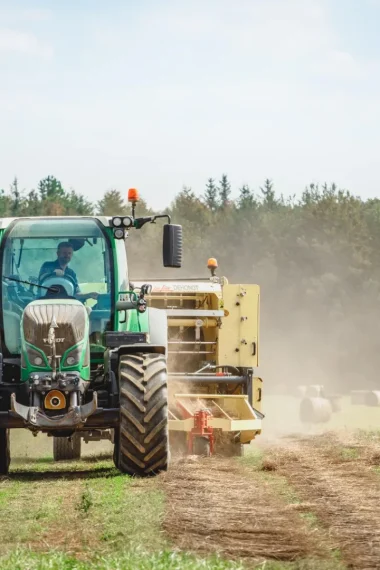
60 267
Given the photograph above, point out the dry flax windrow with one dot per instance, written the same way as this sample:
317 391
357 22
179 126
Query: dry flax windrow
214 506
345 495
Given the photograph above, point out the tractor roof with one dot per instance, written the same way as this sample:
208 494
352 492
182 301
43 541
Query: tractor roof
5 222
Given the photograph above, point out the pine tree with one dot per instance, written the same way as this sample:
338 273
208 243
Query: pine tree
77 205
269 194
211 195
224 191
310 195
16 198
112 204
51 189
246 198
33 204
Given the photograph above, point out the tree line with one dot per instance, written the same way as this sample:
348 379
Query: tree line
51 198
316 258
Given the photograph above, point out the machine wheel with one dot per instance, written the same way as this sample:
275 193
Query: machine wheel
201 446
142 440
65 450
5 453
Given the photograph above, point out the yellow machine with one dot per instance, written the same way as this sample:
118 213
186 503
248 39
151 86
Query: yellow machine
215 390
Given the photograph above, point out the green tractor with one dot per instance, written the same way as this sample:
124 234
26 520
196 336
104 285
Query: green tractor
82 356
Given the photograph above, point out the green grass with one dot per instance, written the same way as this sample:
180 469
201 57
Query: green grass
86 501
26 511
131 560
253 457
86 514
349 453
127 514
102 507
139 559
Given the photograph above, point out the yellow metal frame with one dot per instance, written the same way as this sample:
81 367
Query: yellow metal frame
246 421
229 339
238 336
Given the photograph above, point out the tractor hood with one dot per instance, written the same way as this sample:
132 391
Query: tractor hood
69 319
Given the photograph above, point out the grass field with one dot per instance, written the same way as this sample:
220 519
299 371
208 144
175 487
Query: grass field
296 502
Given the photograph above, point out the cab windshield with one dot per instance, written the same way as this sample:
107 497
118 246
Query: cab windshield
75 253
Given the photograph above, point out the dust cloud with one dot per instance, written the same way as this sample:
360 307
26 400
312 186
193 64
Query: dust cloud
319 318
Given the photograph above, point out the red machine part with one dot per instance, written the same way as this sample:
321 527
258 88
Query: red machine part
201 429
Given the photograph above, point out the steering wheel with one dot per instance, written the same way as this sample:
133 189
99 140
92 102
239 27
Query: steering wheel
59 285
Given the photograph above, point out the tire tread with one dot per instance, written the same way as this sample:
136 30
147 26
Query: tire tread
64 450
143 444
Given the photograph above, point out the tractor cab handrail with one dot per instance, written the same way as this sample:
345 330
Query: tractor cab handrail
125 305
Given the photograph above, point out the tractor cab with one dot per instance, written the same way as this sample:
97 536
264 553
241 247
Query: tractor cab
61 258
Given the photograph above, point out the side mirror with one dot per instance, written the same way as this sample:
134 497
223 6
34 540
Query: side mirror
77 243
172 245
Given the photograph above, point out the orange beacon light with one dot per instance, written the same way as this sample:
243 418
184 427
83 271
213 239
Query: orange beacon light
133 195
212 265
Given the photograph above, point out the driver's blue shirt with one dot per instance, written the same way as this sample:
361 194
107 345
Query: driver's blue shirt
51 266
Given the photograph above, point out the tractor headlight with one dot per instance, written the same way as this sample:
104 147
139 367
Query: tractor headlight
127 222
35 358
74 356
116 222
119 233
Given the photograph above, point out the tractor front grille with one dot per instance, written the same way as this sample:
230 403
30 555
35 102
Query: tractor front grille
70 320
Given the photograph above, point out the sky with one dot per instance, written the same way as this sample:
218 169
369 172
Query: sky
160 94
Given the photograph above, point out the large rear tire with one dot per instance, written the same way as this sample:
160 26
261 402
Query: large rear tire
142 439
65 450
5 453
